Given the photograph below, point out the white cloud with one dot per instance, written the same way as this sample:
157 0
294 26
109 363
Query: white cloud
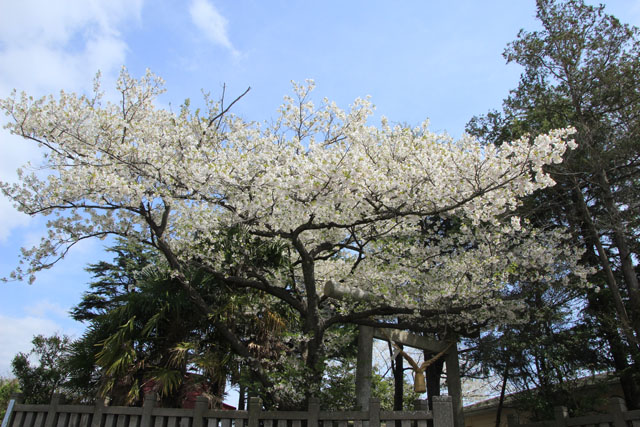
16 334
10 219
211 23
46 307
48 46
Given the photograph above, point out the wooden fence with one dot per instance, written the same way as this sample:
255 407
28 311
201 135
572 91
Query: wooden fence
617 416
58 414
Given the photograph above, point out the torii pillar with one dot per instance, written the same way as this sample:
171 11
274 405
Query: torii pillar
363 367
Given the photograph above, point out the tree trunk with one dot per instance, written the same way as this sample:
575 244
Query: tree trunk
433 374
398 383
610 278
620 240
241 398
505 376
602 305
608 329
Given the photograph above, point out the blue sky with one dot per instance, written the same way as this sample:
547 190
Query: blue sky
417 60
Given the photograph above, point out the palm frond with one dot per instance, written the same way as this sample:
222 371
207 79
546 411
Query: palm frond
168 379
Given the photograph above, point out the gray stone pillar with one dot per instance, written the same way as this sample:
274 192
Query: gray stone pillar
363 367
617 407
443 415
560 415
454 385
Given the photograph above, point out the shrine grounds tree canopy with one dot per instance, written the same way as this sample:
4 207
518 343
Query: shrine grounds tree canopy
423 223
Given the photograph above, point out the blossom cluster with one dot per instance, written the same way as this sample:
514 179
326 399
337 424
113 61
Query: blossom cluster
348 197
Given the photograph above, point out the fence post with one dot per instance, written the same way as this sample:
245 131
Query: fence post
202 404
419 405
313 410
512 420
374 412
14 398
616 407
98 410
56 399
560 415
442 411
147 407
255 407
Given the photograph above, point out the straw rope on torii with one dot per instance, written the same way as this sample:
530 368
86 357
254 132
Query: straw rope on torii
419 383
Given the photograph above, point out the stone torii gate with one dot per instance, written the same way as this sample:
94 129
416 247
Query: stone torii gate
366 334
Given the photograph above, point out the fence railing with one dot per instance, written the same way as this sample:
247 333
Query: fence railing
617 416
58 414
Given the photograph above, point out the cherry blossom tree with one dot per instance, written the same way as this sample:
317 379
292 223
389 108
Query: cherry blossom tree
347 202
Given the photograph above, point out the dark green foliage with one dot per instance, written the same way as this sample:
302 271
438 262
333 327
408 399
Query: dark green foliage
338 392
7 387
40 380
84 378
544 357
151 338
145 332
382 388
582 69
114 280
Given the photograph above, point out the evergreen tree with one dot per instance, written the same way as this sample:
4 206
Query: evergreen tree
7 387
39 381
143 334
582 70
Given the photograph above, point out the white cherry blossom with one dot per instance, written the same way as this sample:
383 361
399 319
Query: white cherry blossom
354 203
